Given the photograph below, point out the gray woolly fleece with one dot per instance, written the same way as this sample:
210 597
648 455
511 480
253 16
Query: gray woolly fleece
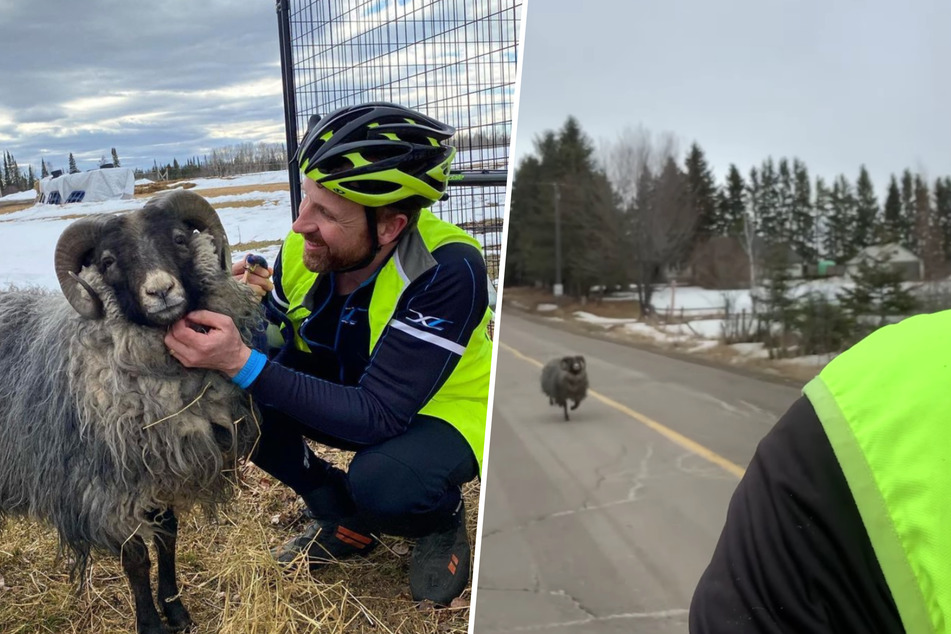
99 426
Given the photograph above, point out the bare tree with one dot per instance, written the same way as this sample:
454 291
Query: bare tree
623 159
750 227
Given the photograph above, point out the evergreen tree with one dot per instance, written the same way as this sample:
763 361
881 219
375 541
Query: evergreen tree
893 222
840 223
767 214
44 170
942 194
803 226
927 234
877 297
72 164
115 158
733 204
592 232
703 190
784 203
777 302
7 174
30 178
866 211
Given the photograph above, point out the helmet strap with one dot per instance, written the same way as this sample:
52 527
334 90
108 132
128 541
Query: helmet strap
374 242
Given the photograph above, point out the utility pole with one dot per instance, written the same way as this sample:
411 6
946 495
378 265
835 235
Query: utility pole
559 289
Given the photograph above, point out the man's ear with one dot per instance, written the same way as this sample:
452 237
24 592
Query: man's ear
389 228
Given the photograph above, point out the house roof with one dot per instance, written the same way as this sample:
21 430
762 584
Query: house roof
892 252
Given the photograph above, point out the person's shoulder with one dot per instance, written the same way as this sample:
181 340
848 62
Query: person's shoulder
459 254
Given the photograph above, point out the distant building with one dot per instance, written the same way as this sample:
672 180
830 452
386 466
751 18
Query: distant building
894 256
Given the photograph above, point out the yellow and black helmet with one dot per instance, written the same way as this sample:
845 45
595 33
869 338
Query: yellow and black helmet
378 154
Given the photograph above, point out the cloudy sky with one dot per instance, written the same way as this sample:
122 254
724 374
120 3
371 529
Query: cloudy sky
836 84
164 80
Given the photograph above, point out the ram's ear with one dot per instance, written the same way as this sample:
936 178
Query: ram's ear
196 212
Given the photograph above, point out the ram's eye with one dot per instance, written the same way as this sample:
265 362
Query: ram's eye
180 239
107 261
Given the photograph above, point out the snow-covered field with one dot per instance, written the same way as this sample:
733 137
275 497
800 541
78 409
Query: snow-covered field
702 311
29 236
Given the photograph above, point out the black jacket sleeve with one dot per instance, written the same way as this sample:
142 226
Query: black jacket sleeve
416 353
794 555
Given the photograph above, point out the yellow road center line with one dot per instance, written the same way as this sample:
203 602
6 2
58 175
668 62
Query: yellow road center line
675 437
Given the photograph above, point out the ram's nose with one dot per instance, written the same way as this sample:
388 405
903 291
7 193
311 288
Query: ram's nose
160 291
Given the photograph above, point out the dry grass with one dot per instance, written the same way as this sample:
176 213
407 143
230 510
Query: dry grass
229 583
149 189
566 306
254 245
10 207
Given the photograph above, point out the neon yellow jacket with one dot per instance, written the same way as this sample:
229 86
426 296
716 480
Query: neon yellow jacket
462 401
885 405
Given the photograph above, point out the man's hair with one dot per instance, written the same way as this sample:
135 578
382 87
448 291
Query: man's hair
408 208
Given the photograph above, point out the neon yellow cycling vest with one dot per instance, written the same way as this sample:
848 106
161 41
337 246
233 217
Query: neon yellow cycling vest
885 405
463 399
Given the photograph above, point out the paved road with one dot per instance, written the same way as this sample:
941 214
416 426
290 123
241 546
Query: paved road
605 523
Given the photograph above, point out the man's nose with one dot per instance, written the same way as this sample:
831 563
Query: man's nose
304 222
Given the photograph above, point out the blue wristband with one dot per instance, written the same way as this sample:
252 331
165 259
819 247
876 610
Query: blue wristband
252 368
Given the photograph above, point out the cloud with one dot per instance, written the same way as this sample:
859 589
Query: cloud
155 81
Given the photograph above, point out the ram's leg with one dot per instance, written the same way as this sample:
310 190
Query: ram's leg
168 595
136 564
575 406
564 404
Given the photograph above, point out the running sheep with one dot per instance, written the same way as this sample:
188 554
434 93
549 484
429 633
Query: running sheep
102 433
565 379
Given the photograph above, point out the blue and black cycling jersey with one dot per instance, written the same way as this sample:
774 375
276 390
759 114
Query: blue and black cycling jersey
340 389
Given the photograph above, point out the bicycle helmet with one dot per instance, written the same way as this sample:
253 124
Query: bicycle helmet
378 154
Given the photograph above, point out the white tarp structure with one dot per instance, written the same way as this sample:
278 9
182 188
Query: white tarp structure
95 185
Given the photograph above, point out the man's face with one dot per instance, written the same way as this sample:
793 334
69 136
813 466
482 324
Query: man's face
334 229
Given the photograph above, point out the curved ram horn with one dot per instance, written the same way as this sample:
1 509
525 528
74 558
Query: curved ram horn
72 248
195 211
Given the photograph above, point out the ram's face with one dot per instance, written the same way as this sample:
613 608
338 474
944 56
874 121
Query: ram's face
575 365
147 261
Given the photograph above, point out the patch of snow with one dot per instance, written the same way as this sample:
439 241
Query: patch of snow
812 360
646 330
545 308
29 194
602 321
704 345
755 350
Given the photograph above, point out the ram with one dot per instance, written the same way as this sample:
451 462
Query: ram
565 379
102 433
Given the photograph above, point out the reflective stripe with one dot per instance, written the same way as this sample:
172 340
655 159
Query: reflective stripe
277 299
428 336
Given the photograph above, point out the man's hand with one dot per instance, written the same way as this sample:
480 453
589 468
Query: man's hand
218 348
249 272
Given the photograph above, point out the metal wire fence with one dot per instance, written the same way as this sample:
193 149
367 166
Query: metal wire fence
454 60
